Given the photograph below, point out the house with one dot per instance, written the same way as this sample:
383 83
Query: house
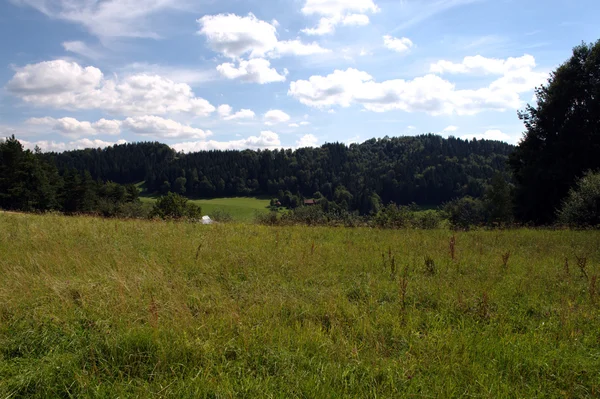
310 202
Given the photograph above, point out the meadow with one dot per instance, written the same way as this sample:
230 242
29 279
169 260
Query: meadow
94 307
240 209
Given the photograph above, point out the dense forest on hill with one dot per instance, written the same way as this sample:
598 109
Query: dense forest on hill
427 169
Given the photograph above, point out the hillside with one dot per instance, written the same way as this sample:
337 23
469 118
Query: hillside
427 169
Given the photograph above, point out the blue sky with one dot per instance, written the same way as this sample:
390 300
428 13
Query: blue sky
233 74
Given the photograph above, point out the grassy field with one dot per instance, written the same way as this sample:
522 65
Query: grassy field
105 308
241 209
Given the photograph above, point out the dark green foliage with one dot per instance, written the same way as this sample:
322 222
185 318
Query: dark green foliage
174 206
428 170
498 201
582 205
562 140
27 183
466 212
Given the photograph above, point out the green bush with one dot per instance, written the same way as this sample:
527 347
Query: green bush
581 208
221 216
466 212
174 206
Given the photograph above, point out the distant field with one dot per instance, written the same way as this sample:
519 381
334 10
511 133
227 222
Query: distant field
242 209
106 308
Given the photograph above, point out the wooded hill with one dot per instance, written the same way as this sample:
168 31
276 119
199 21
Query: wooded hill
427 169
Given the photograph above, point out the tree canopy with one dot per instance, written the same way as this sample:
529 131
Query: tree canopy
562 139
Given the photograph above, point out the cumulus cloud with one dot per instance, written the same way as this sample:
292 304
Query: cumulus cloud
225 112
308 140
156 126
336 12
67 85
483 65
429 93
451 129
257 70
147 125
275 116
266 140
399 45
108 19
53 146
236 36
294 125
74 128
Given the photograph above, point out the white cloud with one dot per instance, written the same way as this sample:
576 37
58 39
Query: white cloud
177 74
308 140
241 114
163 128
67 85
53 146
294 125
153 126
399 45
224 110
266 140
356 19
483 65
74 128
451 129
82 49
411 127
257 70
429 93
338 7
335 12
495 134
304 123
276 116
235 36
108 19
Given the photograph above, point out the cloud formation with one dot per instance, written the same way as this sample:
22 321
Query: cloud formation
430 93
67 85
236 36
275 116
337 12
399 45
257 70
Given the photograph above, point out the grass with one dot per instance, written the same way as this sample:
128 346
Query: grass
106 308
241 209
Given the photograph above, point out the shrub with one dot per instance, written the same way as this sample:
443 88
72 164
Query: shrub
465 212
221 216
581 208
269 219
174 206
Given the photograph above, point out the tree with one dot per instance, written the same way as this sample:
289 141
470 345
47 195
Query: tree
174 206
179 186
498 201
562 138
581 208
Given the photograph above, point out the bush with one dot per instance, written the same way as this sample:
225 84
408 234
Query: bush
466 212
269 219
427 220
221 216
174 206
581 208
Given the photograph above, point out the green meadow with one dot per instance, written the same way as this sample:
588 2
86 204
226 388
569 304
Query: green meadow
240 209
105 308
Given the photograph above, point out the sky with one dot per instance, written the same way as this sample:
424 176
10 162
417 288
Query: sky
264 74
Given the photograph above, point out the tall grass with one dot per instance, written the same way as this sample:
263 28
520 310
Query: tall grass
107 308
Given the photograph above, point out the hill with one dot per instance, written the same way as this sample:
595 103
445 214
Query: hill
427 170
